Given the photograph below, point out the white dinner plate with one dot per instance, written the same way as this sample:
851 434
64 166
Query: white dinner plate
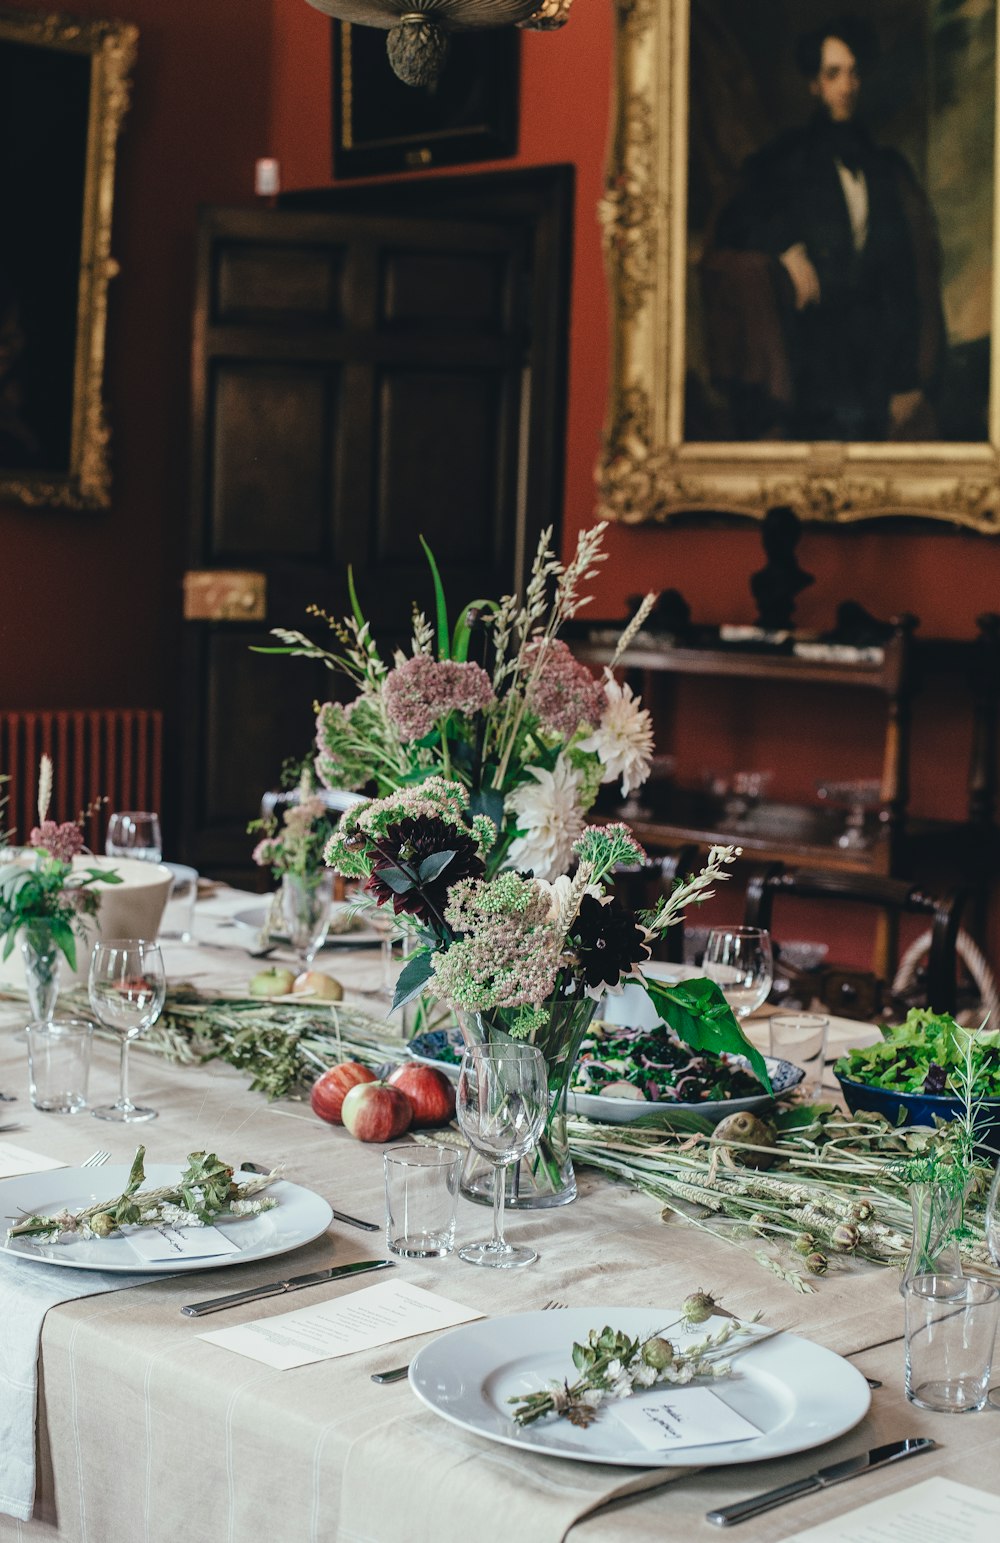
356 935
796 1393
298 1218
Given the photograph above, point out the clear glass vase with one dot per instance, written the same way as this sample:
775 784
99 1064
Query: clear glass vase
41 970
545 1176
306 899
937 1218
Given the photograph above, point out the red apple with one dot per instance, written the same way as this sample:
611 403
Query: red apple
429 1091
373 1111
329 1090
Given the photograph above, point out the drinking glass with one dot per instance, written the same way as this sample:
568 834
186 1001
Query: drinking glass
421 1187
503 1098
739 960
993 1243
178 913
305 910
135 833
801 1039
127 987
58 1064
951 1325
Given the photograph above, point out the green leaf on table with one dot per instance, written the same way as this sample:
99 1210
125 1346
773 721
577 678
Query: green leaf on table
432 867
414 976
701 1017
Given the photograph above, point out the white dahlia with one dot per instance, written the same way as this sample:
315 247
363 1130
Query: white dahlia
623 741
550 819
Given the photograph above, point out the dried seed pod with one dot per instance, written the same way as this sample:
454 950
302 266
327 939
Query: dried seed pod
657 1352
845 1237
698 1307
804 1243
750 1129
816 1264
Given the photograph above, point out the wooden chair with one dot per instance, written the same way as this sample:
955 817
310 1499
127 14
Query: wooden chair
853 993
640 885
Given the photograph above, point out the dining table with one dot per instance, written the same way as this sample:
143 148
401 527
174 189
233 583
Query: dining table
148 1433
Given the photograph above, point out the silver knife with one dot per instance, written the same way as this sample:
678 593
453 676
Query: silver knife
279 1287
340 1216
893 1452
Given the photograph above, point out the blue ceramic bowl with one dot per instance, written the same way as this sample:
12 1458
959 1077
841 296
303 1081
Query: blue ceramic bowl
920 1108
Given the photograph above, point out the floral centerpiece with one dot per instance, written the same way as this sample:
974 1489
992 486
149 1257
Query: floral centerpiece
497 705
44 903
519 956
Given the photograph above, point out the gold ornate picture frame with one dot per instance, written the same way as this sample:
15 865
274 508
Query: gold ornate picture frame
64 90
663 258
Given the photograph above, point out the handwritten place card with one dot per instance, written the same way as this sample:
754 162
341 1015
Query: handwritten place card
933 1511
15 1160
681 1417
155 1243
376 1316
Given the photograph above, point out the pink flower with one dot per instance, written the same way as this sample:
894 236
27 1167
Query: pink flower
62 842
421 691
265 852
563 694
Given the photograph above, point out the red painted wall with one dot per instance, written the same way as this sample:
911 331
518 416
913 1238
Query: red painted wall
90 602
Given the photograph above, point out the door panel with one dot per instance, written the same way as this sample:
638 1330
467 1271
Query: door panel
359 381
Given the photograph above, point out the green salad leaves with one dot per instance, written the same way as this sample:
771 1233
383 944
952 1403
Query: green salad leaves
926 1054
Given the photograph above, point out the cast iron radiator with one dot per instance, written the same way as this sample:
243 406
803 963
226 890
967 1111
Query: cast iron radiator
109 753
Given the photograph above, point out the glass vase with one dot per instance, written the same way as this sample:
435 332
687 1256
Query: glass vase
937 1217
306 899
544 1177
41 971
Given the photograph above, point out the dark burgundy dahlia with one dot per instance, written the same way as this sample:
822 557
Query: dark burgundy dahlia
607 940
412 845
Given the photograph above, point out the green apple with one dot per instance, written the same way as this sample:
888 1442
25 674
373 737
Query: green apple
314 983
273 982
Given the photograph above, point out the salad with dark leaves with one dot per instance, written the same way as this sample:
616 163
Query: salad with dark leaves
653 1065
923 1055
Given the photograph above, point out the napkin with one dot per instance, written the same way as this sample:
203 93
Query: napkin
492 1492
27 1291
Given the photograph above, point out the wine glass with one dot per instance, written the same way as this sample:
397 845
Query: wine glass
503 1098
739 960
127 987
993 1243
135 833
859 797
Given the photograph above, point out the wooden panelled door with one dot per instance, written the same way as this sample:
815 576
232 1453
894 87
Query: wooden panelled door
360 380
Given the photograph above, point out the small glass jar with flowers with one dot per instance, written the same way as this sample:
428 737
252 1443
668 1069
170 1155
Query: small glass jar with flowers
292 846
46 900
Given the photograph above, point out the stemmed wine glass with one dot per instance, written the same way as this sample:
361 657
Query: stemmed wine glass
134 833
127 987
503 1098
993 1243
739 960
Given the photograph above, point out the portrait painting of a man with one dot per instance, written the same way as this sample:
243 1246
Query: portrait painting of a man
839 276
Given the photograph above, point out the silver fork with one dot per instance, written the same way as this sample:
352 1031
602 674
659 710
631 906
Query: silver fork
96 1159
399 1372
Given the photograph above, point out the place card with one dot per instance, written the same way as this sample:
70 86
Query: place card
15 1160
934 1511
155 1243
376 1316
681 1417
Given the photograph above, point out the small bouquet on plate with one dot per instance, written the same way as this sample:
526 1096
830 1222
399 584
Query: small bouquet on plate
497 705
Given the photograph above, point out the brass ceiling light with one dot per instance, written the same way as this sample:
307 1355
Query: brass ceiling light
418 32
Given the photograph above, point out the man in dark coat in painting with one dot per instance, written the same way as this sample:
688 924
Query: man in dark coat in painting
822 284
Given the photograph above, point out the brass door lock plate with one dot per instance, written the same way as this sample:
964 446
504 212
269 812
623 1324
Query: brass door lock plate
217 594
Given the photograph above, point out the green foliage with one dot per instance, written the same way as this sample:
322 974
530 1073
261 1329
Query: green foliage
48 901
926 1054
699 1014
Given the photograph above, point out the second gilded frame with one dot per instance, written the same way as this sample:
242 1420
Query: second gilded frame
64 90
864 381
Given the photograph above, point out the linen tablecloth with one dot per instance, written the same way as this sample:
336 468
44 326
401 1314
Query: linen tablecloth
148 1434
